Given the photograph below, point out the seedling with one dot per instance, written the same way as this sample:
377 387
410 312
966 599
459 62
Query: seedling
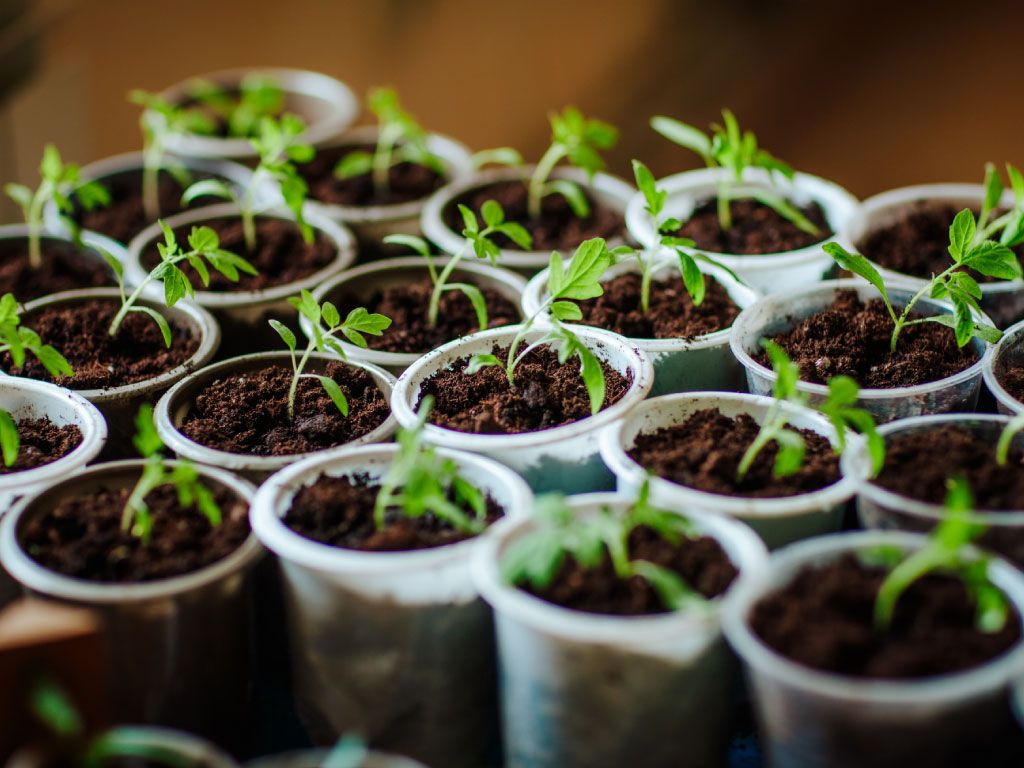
496 156
947 550
10 443
16 340
734 150
1010 225
279 149
985 256
400 139
687 258
258 96
1006 439
136 518
839 407
325 326
579 140
477 241
203 247
537 557
420 482
57 182
161 119
580 281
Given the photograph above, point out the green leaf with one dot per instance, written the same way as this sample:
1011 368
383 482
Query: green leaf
593 376
993 191
9 440
284 332
372 323
498 156
791 453
51 168
859 266
335 393
582 280
573 194
53 361
961 235
517 233
787 373
492 213
330 314
160 320
654 197
412 242
113 263
19 193
565 311
958 324
994 260
682 134
207 188
693 278
469 221
146 440
477 362
674 593
1017 184
476 298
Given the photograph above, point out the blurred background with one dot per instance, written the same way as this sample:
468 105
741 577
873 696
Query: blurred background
870 93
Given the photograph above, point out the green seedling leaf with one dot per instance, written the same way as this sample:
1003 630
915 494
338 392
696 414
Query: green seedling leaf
10 443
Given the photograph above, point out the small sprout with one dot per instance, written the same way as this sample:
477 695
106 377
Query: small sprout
419 482
203 244
839 407
580 281
58 181
400 139
734 150
968 250
16 340
51 706
161 119
10 443
258 96
1010 226
1006 439
325 325
537 557
496 156
479 242
947 550
279 149
136 518
578 139
687 257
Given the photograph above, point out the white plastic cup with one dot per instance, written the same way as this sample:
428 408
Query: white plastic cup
765 272
371 223
608 191
367 278
1007 353
812 719
563 458
174 406
779 311
396 646
327 106
585 690
1002 300
880 508
177 647
680 365
777 520
94 244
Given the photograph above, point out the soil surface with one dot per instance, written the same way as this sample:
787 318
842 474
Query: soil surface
823 619
756 229
339 511
125 217
1013 380
546 394
42 442
918 465
407 305
406 181
917 243
64 268
81 536
79 332
558 229
281 255
671 313
704 452
701 562
248 412
851 337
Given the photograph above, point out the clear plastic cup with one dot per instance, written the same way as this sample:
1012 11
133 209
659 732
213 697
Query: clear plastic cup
596 691
1008 353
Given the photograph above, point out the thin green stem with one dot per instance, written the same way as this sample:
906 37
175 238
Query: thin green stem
540 176
382 158
773 424
34 219
298 369
899 322
126 305
985 231
724 210
646 271
439 283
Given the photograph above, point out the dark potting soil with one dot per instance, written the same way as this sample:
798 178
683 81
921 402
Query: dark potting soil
852 337
248 412
407 305
79 332
756 229
917 243
918 464
64 268
823 619
558 229
546 394
339 511
81 536
126 216
704 452
406 181
701 562
671 313
42 442
281 255
1013 380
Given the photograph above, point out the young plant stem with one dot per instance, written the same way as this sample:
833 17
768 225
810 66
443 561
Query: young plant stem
900 321
440 283
547 164
135 513
298 368
389 135
773 423
724 210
